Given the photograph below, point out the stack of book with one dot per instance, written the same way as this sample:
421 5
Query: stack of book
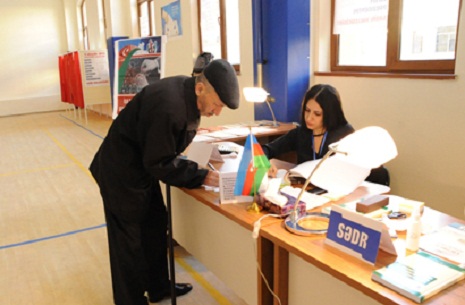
439 264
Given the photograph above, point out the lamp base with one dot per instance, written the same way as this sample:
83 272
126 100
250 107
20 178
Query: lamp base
310 224
268 123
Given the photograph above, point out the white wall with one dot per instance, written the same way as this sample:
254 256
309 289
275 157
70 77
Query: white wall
120 21
73 25
426 118
33 35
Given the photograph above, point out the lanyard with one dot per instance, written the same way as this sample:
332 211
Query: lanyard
321 146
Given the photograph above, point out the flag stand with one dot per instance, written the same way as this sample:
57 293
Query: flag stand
254 207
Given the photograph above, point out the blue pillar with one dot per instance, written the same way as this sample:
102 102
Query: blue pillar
282 46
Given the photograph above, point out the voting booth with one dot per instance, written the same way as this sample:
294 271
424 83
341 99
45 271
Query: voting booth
84 79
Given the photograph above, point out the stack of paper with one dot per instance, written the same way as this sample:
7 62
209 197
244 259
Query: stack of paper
448 242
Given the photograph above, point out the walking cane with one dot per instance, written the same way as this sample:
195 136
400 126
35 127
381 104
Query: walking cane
171 247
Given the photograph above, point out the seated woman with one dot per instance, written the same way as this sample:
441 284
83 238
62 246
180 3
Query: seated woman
322 123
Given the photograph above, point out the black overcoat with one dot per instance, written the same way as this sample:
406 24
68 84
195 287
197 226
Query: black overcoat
143 147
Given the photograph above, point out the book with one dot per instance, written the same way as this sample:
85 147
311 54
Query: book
448 242
304 169
419 276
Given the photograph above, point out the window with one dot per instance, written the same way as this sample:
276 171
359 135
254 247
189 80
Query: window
146 15
85 35
219 29
84 23
421 37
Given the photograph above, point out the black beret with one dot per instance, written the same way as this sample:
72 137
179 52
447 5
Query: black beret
222 76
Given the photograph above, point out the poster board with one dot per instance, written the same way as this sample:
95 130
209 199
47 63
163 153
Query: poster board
111 59
95 77
171 21
138 63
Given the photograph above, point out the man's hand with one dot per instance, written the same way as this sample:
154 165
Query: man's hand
212 179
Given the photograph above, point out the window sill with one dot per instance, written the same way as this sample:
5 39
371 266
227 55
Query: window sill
387 75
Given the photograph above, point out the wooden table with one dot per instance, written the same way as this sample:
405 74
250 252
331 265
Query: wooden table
265 133
276 245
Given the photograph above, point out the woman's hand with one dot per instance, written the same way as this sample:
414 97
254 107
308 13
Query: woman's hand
272 171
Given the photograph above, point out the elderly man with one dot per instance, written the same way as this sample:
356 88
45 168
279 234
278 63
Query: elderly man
141 149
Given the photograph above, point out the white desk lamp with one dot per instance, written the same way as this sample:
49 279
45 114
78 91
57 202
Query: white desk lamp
366 148
259 95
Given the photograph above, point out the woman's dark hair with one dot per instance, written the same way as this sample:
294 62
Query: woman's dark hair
330 102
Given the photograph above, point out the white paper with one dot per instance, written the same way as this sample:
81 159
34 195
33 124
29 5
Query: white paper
227 184
272 192
215 154
304 169
202 138
202 152
339 177
220 135
239 131
375 188
335 175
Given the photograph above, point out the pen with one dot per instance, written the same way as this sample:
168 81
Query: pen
212 167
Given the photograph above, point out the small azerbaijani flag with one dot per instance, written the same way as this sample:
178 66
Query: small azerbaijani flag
253 168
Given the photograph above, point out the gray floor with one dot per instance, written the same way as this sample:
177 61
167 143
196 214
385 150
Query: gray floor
53 246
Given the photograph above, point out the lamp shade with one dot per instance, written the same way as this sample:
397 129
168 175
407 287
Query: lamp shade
255 94
348 162
369 147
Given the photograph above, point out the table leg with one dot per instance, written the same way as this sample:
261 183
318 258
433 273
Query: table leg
281 275
274 264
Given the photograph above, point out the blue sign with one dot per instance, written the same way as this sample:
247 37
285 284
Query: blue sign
355 234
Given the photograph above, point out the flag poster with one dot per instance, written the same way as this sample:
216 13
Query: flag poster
253 168
171 19
138 63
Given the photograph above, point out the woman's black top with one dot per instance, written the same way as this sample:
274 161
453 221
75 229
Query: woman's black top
300 140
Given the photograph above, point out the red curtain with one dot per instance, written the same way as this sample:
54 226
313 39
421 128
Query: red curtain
70 79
